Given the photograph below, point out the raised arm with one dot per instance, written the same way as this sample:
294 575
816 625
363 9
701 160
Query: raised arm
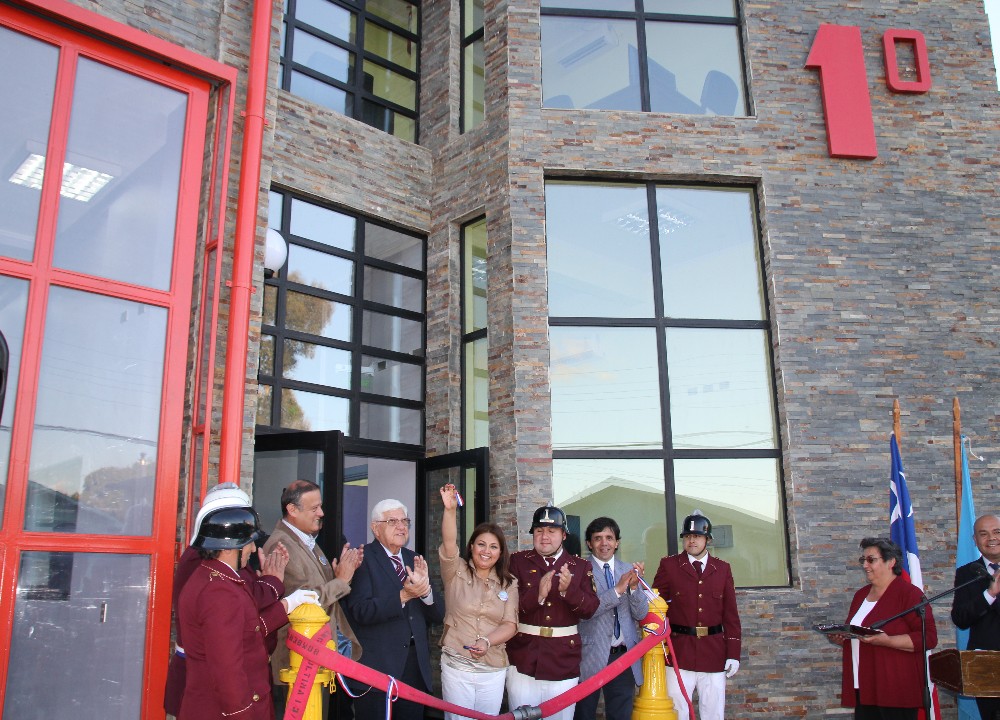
449 522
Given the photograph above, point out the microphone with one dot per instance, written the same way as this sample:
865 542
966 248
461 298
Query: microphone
982 574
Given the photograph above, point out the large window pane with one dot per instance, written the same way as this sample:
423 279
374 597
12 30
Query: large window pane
391 46
80 630
709 254
391 288
393 246
472 16
316 316
301 410
320 270
27 84
695 68
598 250
391 332
605 388
392 424
720 389
390 85
399 12
322 225
118 209
13 304
704 8
97 419
474 280
322 56
742 498
623 5
317 364
318 92
328 17
477 394
391 378
590 63
473 85
629 490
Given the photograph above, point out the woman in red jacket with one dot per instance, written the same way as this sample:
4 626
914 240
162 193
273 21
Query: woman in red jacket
883 673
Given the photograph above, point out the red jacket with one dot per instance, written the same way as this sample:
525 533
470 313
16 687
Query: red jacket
550 658
709 601
898 674
228 674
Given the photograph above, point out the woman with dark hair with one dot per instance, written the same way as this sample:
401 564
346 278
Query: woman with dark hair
883 673
480 612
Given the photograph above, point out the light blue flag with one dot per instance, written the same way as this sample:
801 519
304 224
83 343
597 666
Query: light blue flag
967 552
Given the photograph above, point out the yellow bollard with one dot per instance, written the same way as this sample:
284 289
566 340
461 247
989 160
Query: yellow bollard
653 702
309 619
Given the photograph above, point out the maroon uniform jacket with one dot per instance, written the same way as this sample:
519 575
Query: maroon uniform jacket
228 675
897 673
550 658
709 601
267 591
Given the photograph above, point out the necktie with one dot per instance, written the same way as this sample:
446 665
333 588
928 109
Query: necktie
549 562
697 567
397 564
611 583
993 568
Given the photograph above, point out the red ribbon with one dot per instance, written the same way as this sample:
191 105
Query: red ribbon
315 653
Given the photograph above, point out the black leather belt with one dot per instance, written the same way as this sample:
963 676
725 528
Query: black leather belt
699 631
618 649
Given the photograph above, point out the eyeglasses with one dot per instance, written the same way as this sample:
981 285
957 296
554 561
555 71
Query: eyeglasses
868 559
396 522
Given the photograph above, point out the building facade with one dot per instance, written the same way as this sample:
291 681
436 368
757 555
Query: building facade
634 257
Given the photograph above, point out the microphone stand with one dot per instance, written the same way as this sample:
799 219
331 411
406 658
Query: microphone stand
921 609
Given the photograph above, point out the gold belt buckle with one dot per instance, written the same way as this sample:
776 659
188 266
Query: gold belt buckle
545 632
701 631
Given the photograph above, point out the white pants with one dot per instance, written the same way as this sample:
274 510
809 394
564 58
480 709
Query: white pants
474 690
525 690
711 689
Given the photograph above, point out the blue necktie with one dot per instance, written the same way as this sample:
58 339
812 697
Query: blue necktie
611 583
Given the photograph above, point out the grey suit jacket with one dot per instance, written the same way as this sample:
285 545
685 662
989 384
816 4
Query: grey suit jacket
597 632
312 571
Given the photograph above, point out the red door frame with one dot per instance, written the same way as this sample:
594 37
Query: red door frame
134 52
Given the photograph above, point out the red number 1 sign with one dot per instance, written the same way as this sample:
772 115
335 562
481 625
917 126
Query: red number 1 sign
838 54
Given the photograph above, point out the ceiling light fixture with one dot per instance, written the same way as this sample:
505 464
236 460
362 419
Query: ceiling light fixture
78 182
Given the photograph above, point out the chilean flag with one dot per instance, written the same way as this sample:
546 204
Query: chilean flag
902 532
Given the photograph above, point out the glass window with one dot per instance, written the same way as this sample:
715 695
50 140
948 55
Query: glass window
475 343
332 335
473 65
28 84
97 417
593 57
474 276
668 404
598 250
477 394
125 140
605 388
13 305
356 57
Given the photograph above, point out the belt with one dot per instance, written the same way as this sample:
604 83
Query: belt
547 631
699 631
618 650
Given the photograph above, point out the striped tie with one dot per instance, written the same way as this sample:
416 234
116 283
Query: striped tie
397 564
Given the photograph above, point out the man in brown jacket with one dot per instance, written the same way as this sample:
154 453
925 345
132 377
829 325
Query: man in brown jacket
308 567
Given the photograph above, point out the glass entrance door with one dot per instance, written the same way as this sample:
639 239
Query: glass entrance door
97 242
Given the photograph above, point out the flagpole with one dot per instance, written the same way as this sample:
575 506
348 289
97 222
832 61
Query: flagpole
956 441
895 419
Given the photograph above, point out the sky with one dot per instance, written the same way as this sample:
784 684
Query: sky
993 10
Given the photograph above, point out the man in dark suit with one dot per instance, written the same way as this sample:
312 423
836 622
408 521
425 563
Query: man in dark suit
390 606
974 608
556 591
704 621
613 628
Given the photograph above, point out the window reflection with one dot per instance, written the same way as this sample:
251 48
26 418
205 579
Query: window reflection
95 441
391 288
391 378
598 250
316 316
79 620
720 389
131 129
313 222
320 270
605 388
474 280
28 84
393 246
742 498
317 364
477 394
391 332
13 303
391 423
301 410
709 254
628 490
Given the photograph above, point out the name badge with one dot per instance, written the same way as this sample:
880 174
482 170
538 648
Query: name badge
503 595
322 560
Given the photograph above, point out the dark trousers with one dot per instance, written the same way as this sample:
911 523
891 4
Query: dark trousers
372 703
989 708
618 695
874 712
